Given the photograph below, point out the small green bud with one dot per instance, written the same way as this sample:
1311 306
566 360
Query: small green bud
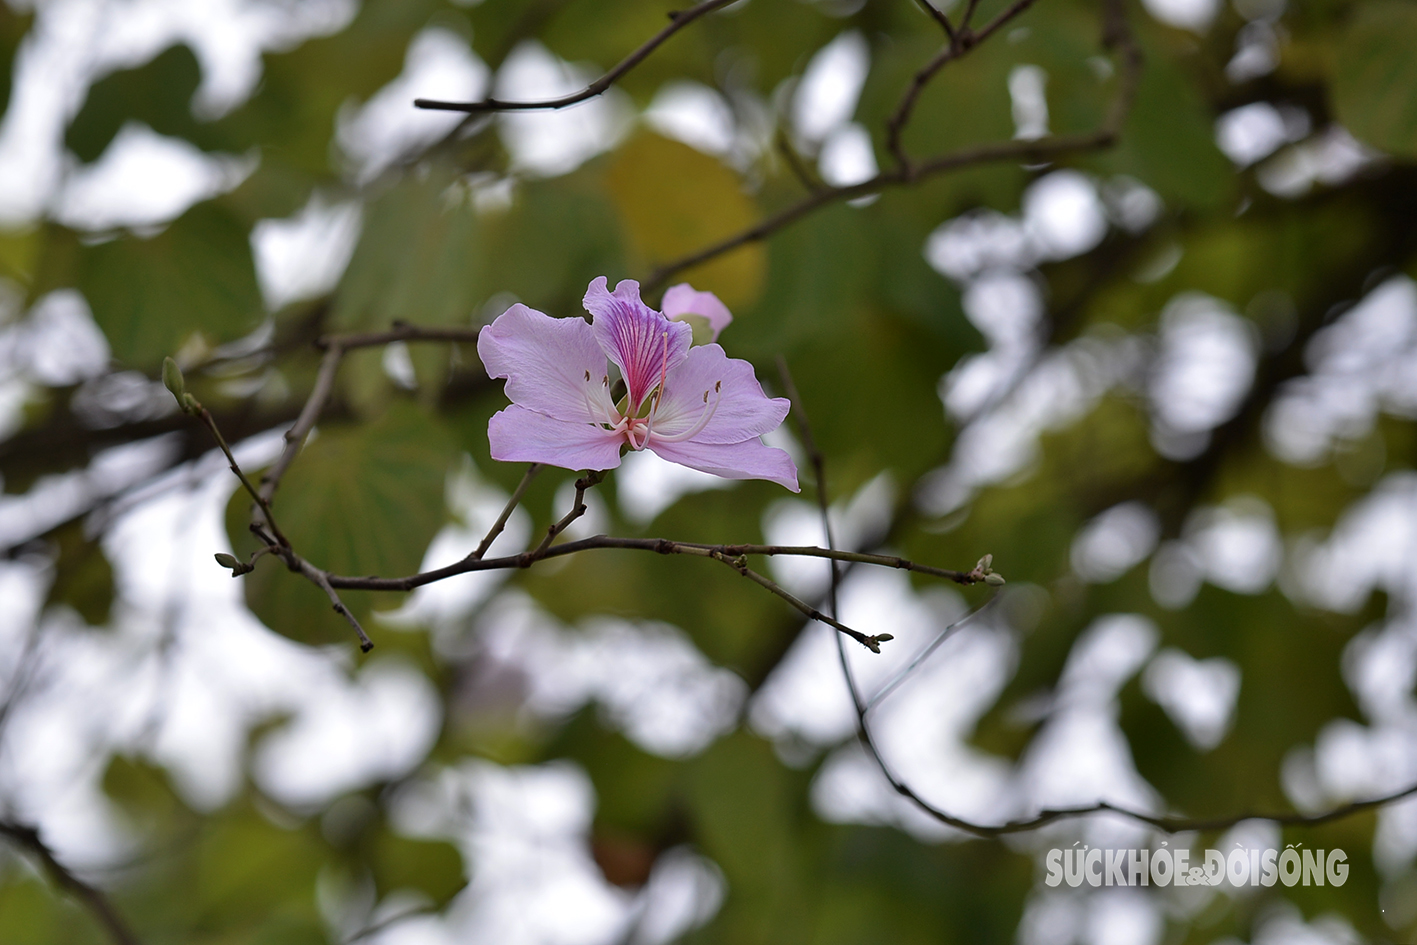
189 404
885 637
237 567
172 379
994 579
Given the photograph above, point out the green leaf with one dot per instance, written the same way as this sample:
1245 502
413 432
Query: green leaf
433 867
1168 141
149 295
13 27
1375 80
358 500
159 94
418 258
83 578
302 90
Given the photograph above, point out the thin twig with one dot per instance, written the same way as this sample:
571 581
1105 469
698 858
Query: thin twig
335 347
1168 824
261 502
663 546
501 522
819 468
961 42
969 9
309 414
92 898
1116 36
814 455
678 21
578 508
924 654
322 580
793 160
872 643
1035 151
936 14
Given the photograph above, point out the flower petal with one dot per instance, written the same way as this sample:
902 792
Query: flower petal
750 459
519 435
682 299
743 409
545 361
642 342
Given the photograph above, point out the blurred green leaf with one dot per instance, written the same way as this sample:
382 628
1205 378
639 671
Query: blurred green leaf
13 28
1168 141
149 294
1375 76
358 500
158 94
432 867
83 578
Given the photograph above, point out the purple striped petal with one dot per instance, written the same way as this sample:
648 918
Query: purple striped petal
518 435
545 361
709 380
750 459
682 300
642 343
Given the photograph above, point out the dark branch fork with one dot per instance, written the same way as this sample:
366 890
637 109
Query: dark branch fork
960 40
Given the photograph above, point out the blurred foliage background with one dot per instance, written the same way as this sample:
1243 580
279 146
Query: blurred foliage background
1169 384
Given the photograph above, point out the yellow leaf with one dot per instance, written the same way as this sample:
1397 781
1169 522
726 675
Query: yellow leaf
674 201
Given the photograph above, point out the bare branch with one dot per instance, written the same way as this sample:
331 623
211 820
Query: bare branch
936 14
1116 35
894 682
1037 150
295 436
334 347
501 522
793 160
91 897
809 443
578 508
1044 817
872 643
678 20
663 546
961 42
322 580
261 502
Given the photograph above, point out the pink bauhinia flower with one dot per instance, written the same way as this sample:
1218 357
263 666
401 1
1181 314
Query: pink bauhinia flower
692 405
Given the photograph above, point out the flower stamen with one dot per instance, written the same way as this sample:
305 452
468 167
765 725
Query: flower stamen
704 417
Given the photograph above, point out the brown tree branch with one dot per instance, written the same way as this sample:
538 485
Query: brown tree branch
872 643
961 42
1116 35
501 522
936 14
578 508
661 546
295 436
90 897
678 20
1169 824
